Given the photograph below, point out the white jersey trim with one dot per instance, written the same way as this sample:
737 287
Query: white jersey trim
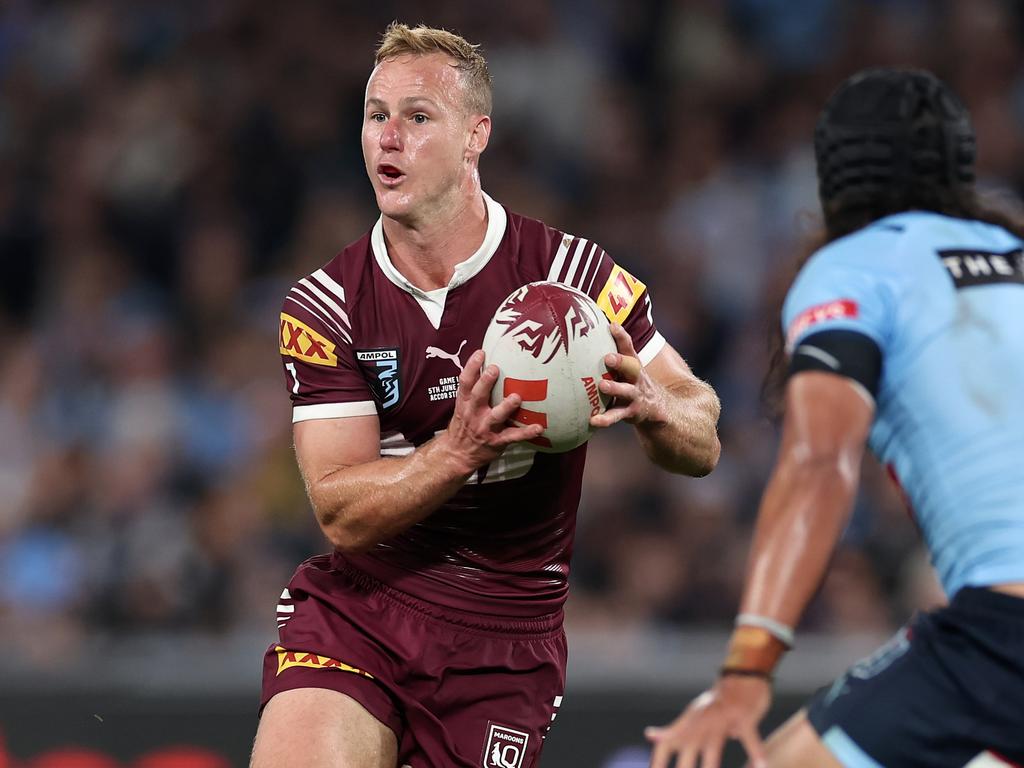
651 349
432 302
326 300
311 305
333 410
581 246
559 260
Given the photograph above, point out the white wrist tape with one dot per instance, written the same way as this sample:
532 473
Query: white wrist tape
776 629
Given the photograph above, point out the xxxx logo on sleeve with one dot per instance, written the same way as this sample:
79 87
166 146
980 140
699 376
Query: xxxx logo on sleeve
621 291
303 343
287 659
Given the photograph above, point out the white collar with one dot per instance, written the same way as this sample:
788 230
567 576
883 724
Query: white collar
497 220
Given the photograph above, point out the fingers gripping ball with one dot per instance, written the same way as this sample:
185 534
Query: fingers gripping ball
549 342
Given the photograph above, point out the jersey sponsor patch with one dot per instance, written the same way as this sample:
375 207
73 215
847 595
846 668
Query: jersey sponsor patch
287 659
505 747
970 268
620 293
383 374
303 343
820 313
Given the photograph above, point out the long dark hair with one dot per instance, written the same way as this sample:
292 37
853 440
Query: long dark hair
960 202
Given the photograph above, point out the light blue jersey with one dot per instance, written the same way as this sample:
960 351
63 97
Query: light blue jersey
943 299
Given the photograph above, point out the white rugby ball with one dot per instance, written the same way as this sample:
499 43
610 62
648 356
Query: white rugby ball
549 342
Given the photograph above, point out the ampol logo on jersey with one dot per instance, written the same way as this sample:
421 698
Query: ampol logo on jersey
385 364
505 747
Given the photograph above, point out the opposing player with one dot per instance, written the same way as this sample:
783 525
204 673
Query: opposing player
905 332
432 635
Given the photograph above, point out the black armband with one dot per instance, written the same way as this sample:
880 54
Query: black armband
847 353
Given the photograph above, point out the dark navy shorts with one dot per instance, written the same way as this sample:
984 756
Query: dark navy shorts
946 692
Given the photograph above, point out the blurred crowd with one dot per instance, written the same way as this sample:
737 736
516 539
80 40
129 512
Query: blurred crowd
169 167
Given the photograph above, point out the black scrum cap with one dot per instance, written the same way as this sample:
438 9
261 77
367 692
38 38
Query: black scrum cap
887 136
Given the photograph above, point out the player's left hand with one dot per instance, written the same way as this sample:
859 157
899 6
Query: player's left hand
638 398
732 709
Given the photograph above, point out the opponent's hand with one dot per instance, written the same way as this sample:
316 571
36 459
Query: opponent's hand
477 432
638 398
731 709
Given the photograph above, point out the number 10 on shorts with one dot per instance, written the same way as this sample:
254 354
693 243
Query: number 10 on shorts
505 747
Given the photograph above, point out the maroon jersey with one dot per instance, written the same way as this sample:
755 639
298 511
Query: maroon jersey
358 339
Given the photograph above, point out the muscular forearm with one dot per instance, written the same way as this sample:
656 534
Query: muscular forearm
684 436
802 516
361 505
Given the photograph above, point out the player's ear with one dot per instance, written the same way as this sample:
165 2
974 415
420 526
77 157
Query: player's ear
479 135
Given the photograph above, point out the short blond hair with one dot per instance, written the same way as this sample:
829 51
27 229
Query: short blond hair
401 40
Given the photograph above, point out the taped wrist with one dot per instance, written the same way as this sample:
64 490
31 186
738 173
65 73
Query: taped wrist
753 651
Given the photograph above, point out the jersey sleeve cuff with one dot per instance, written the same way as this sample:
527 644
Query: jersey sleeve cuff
651 349
333 410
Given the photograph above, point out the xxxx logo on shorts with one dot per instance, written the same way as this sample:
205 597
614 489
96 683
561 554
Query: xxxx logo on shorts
287 659
303 343
505 747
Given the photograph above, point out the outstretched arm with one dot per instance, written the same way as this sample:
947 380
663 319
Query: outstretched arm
674 412
803 512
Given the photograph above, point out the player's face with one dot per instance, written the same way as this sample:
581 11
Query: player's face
416 134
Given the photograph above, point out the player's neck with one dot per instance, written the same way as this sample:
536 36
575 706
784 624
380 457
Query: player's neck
426 251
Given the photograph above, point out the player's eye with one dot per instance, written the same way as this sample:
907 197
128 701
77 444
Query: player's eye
420 118
378 117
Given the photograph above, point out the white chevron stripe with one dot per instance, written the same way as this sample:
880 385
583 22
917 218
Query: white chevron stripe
285 608
294 296
563 249
597 268
578 283
327 316
581 244
342 315
286 595
330 284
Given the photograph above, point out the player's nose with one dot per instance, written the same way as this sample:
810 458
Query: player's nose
390 136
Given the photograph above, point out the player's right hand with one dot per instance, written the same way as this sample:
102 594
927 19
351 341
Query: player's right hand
477 432
732 709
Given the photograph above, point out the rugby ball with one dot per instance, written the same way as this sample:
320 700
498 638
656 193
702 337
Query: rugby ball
549 342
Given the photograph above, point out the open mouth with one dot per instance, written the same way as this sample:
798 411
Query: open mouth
389 175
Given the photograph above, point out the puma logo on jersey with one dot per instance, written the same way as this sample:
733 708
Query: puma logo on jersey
303 343
453 356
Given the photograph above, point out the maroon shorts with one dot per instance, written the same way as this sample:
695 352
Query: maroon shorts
459 690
